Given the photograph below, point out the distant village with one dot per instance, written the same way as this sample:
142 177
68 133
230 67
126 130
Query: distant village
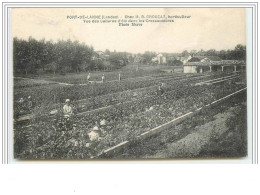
191 63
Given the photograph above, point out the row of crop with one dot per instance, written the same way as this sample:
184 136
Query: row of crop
45 96
104 102
50 94
115 98
124 121
109 76
20 83
131 95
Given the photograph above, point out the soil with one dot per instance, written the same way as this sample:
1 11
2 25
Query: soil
193 144
218 133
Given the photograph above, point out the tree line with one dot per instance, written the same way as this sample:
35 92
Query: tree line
238 53
32 56
40 56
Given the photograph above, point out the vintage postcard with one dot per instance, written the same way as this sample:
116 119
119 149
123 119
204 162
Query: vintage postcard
129 83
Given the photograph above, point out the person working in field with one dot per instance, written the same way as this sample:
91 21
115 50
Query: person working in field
160 90
119 77
103 78
94 137
67 109
29 103
88 77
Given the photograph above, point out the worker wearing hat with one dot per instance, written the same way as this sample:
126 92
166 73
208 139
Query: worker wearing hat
67 109
94 137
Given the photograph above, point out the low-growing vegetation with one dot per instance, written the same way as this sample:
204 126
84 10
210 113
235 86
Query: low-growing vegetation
124 121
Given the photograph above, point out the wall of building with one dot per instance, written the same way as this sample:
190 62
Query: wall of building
189 69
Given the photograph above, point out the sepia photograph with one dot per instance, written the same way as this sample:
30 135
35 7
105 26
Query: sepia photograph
129 83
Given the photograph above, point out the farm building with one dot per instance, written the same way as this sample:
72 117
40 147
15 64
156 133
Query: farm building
160 59
190 68
99 55
204 59
95 56
208 65
184 59
211 59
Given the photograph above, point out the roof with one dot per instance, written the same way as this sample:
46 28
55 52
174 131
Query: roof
213 58
160 54
183 58
100 52
199 57
222 62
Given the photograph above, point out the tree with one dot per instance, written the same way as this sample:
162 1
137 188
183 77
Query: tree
193 52
52 67
223 54
194 59
174 62
211 52
107 52
148 56
184 53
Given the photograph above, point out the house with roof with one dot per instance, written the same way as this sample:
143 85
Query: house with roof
213 64
184 59
95 56
159 58
204 59
211 59
99 55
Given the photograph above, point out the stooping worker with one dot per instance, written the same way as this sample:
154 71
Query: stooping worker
93 137
67 109
160 90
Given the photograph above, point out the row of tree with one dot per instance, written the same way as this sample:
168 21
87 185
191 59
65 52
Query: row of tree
238 53
32 56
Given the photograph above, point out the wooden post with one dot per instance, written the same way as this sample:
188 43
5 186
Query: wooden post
222 68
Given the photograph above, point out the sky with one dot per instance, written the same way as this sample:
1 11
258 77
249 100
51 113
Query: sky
207 28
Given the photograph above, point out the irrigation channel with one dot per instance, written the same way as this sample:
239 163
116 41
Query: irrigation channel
115 150
115 100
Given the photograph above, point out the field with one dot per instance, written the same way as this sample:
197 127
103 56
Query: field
129 107
220 132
